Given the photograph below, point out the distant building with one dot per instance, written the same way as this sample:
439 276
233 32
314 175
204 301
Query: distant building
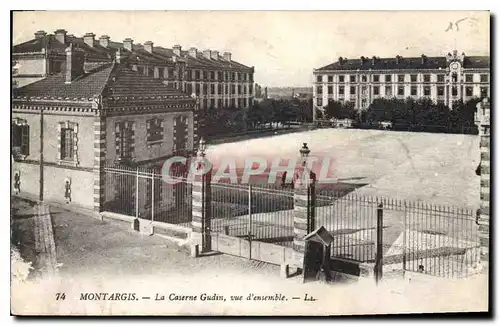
215 78
442 79
96 114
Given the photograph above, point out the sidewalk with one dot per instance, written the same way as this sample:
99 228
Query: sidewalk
98 257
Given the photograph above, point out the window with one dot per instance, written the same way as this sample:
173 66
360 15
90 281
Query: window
189 88
440 90
154 129
319 90
233 89
388 78
401 78
364 103
319 102
212 89
376 78
233 76
212 75
427 91
196 74
401 91
454 77
319 79
205 89
341 78
440 78
330 79
376 90
388 91
197 89
468 78
352 90
484 92
468 91
341 90
124 139
20 138
427 78
180 132
352 78
250 89
484 78
151 71
413 90
140 69
363 90
219 75
161 73
454 91
330 89
212 103
67 136
413 78
364 78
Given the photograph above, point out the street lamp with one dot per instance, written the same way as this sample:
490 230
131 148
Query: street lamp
202 147
304 153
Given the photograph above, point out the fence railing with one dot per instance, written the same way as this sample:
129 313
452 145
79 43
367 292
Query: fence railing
420 237
142 192
257 212
413 236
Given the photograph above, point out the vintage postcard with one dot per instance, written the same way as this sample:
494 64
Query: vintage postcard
182 163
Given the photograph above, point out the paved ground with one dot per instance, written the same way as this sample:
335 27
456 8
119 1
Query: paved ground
97 257
435 168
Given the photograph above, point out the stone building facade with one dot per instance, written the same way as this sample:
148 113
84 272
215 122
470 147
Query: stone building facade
442 79
90 116
214 77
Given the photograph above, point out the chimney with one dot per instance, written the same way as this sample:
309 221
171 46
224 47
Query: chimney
206 54
374 59
40 34
227 56
398 59
423 58
177 50
61 35
148 46
193 52
104 41
88 38
128 43
214 55
118 55
74 63
341 60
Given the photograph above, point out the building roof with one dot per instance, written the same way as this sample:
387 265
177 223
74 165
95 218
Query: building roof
404 63
108 80
98 52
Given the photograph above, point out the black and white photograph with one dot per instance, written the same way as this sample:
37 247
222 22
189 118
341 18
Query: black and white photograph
250 163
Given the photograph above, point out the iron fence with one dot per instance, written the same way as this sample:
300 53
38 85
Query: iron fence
255 212
418 237
143 193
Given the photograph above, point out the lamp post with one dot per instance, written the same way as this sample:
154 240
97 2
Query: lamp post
304 153
202 146
41 155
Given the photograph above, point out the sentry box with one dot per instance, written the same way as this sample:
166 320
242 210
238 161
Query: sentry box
317 255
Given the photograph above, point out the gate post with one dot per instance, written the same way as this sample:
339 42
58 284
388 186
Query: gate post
378 268
201 205
303 206
482 120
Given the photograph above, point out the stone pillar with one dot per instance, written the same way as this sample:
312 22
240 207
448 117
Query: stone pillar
99 161
303 208
201 208
482 120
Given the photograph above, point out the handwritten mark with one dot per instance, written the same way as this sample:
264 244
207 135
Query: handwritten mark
450 26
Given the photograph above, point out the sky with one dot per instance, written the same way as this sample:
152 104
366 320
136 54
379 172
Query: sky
283 46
